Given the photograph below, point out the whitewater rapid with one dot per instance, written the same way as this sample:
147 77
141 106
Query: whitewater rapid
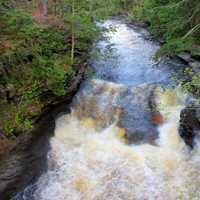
109 147
90 164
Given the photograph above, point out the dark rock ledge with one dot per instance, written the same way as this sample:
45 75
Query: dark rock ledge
189 127
27 158
192 61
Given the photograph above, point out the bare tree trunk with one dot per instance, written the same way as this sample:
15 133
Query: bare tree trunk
72 32
45 7
55 8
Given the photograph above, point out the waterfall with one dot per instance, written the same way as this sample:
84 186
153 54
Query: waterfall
110 147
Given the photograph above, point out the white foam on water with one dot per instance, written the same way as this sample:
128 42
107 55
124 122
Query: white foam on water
86 164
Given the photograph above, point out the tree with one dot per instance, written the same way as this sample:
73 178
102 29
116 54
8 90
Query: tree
45 7
82 14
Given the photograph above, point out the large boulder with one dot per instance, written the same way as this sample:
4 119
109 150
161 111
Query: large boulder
189 126
185 56
195 65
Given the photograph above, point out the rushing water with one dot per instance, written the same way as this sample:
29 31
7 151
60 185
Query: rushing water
110 147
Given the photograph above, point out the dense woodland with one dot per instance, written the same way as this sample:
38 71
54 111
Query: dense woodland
45 43
176 23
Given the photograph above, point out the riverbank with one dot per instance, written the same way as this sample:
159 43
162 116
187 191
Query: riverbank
33 147
44 47
28 160
24 158
35 69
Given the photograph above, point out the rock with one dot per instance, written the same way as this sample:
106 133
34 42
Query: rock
2 136
3 96
189 124
139 116
2 71
11 91
137 136
185 56
161 40
6 146
157 118
195 66
196 53
198 113
139 23
196 56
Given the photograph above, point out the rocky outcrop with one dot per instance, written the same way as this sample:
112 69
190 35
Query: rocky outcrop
24 158
189 126
6 145
28 159
141 117
192 61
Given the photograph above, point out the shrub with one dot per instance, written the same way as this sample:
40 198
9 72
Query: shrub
35 64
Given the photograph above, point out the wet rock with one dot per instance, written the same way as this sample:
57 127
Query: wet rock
27 159
138 115
140 136
195 66
157 118
140 23
134 136
195 63
189 126
185 56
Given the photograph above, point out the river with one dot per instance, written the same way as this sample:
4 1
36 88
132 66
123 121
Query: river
121 140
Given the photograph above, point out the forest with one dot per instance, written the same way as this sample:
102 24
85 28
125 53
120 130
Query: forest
45 43
99 99
43 46
175 22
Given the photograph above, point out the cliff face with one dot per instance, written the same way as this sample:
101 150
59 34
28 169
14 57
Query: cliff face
28 159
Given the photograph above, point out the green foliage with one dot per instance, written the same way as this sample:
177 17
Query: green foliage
193 85
36 48
16 20
82 15
36 56
34 64
175 21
